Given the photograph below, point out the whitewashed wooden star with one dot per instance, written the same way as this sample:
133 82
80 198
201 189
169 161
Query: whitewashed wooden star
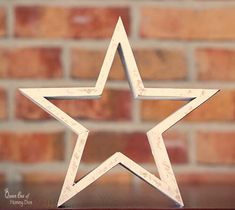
166 183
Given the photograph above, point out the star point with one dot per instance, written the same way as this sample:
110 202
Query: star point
166 183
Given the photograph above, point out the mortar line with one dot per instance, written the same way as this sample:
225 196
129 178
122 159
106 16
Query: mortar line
192 147
10 21
129 126
192 70
61 168
31 167
66 62
135 19
136 111
11 105
122 85
91 3
103 43
12 175
69 146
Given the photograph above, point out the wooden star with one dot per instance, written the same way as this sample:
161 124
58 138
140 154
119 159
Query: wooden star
166 183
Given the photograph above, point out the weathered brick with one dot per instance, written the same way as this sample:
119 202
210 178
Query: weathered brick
159 64
107 108
101 145
2 21
206 177
30 63
31 147
188 23
216 147
3 104
62 22
216 64
218 108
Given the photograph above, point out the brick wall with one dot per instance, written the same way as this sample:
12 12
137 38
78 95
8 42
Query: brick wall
62 43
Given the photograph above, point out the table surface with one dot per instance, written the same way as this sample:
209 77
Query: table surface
109 196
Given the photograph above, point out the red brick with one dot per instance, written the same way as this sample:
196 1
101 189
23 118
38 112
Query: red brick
2 178
47 177
116 178
2 22
107 108
101 145
159 64
30 63
43 177
155 110
26 109
206 178
216 147
221 107
31 147
59 22
176 144
188 23
3 104
86 64
216 64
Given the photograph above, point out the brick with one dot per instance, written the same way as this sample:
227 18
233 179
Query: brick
3 104
177 148
206 178
101 145
43 177
2 178
27 110
86 64
31 147
107 108
52 177
218 108
59 22
216 147
33 63
155 110
216 64
188 23
2 22
116 178
158 64
161 64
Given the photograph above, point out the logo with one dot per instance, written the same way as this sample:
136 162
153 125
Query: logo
18 199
